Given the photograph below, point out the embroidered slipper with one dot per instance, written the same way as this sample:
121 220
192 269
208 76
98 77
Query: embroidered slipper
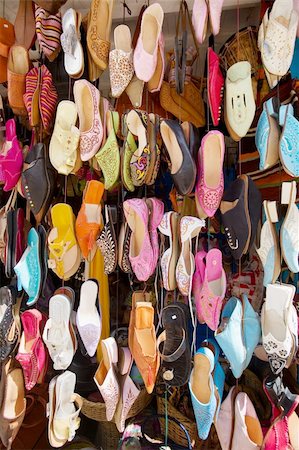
88 221
154 164
124 248
140 161
267 135
289 145
121 67
107 242
169 228
98 32
108 156
129 392
105 376
48 31
18 65
87 99
289 239
28 269
64 144
71 45
175 354
88 320
64 252
128 149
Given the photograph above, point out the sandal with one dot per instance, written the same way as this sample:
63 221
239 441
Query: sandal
107 242
108 156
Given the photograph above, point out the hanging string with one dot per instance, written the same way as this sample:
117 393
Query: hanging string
166 419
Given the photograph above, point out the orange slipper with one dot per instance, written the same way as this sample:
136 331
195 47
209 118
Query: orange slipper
89 218
17 67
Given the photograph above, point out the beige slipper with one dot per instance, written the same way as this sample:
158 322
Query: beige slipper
121 67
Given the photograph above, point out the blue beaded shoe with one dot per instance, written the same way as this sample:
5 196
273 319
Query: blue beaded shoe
267 135
206 386
289 142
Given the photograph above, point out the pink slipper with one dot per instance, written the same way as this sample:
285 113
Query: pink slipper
141 252
215 10
129 392
32 353
200 19
105 376
215 86
87 99
11 157
145 54
198 279
210 182
156 209
209 301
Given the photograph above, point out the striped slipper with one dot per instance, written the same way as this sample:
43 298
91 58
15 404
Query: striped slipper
48 31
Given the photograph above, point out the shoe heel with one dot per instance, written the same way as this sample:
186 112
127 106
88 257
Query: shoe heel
271 211
288 192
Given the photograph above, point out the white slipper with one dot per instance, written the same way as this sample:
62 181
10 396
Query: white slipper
88 320
121 66
279 324
239 100
64 144
63 409
70 42
289 234
277 48
58 334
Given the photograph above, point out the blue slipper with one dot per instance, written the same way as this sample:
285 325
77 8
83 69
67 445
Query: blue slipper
206 386
28 269
289 142
267 135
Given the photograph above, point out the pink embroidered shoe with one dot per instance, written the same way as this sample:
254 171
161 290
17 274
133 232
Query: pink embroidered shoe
105 376
87 99
215 86
200 19
198 279
169 228
141 252
32 353
11 157
146 51
156 210
209 297
210 182
215 10
189 228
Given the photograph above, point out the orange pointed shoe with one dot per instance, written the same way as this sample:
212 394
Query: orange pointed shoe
89 218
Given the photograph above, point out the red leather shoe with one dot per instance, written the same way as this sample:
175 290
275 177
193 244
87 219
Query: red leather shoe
215 86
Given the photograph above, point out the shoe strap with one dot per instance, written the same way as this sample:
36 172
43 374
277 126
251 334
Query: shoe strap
177 353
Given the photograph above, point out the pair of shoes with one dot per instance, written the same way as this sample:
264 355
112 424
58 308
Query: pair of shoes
204 11
279 326
209 287
245 430
206 386
277 54
11 157
275 137
32 353
88 319
13 402
31 269
10 327
269 250
150 45
144 159
64 251
143 217
210 181
70 43
240 212
114 382
59 335
63 409
89 219
183 168
238 333
239 109
142 339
